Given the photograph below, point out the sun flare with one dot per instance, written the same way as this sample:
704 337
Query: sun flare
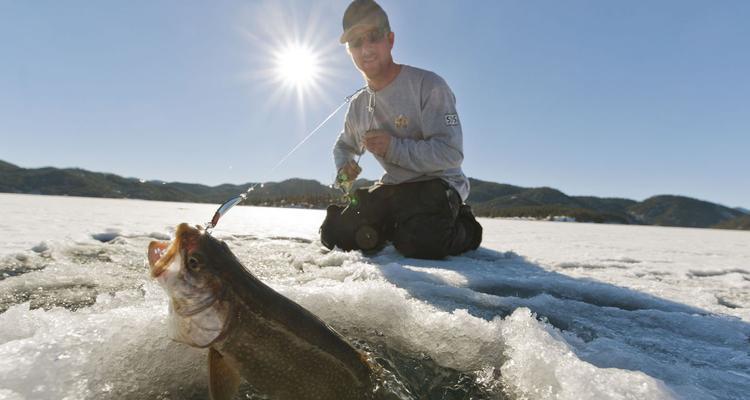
291 58
297 66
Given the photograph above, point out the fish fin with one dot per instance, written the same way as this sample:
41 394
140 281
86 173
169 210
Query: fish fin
223 380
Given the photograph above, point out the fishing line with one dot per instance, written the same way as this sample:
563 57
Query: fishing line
224 208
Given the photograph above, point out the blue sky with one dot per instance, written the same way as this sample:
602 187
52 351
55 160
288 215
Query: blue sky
604 98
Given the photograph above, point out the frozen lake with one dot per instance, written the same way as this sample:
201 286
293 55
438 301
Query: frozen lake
542 310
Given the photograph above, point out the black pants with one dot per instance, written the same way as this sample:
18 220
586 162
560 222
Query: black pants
422 219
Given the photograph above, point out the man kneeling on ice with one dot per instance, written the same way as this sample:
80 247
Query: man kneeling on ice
407 119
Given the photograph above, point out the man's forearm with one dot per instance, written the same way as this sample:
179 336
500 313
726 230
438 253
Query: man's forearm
343 153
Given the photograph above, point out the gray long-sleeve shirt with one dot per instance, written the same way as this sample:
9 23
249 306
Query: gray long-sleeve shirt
419 110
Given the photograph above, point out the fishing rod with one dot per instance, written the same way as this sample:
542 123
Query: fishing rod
227 205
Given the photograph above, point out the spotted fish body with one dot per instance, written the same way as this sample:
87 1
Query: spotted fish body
281 349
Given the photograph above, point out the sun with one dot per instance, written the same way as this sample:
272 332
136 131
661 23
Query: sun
291 60
297 66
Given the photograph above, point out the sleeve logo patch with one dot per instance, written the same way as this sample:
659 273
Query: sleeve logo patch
451 119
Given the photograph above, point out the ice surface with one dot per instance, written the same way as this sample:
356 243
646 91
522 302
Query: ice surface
543 310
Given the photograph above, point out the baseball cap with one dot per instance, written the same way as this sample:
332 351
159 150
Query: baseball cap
363 14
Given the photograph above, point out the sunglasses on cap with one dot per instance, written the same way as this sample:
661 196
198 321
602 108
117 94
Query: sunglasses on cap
373 36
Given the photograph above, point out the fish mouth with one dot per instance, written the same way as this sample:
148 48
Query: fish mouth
161 254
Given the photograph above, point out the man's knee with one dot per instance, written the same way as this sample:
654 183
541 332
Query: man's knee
332 231
435 237
360 226
423 238
472 230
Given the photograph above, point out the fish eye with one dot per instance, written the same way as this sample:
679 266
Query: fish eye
194 263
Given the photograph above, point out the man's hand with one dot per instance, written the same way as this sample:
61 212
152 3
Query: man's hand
348 172
377 142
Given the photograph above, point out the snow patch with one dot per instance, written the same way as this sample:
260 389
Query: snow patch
542 366
159 236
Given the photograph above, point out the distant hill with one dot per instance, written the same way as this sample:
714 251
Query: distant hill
488 199
482 191
78 182
4 166
498 200
681 211
742 223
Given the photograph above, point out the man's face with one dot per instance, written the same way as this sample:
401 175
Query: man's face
371 51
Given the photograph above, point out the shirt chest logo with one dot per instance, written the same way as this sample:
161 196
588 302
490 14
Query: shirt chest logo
401 121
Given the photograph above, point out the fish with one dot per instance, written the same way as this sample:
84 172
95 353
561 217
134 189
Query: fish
251 331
